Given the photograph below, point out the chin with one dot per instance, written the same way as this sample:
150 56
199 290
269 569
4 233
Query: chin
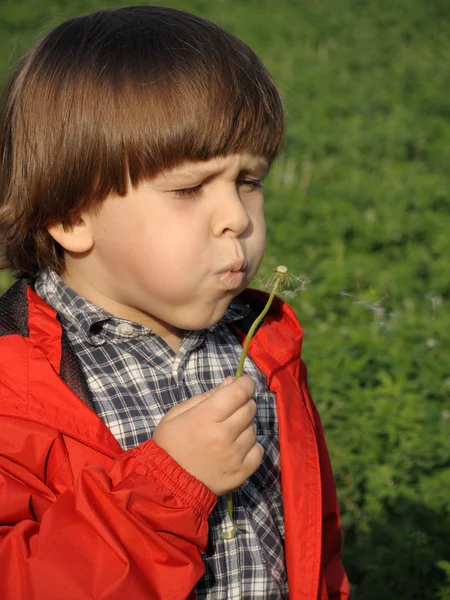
205 323
206 319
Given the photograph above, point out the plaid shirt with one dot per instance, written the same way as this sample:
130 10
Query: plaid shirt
135 378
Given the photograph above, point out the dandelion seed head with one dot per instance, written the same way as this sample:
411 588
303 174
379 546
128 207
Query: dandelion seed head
289 286
281 269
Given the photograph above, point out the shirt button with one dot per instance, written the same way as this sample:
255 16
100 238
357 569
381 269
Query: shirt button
125 329
96 341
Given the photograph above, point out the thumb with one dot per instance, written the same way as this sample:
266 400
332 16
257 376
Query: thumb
191 402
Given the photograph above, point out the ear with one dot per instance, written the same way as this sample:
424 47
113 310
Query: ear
76 237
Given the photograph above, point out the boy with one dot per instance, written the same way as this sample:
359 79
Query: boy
134 143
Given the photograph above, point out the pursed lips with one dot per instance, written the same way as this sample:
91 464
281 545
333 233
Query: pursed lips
234 267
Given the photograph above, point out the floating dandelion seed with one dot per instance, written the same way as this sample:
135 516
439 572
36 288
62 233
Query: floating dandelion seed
279 278
435 301
372 306
376 308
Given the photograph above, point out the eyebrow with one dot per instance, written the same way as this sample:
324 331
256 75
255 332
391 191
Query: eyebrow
258 166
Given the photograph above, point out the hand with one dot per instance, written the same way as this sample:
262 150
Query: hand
213 435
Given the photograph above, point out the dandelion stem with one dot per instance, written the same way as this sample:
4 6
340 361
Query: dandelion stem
228 535
281 274
255 324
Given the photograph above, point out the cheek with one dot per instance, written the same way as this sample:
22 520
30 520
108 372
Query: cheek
259 241
259 225
165 250
263 228
123 244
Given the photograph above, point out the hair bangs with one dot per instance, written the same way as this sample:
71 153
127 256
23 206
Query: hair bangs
205 127
203 94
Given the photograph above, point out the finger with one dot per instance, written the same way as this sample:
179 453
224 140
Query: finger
227 381
227 400
246 440
253 459
241 419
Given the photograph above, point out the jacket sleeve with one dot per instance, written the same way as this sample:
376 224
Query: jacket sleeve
136 529
336 581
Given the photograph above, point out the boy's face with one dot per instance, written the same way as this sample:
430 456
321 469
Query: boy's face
174 252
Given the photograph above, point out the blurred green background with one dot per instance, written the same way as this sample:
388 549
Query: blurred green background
358 208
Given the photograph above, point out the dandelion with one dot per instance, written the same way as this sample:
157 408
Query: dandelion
280 275
289 288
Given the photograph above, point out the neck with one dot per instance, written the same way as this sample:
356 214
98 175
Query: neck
171 335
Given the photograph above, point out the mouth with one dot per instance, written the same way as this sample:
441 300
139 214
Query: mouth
232 276
235 267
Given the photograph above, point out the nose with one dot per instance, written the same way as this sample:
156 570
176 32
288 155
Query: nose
230 215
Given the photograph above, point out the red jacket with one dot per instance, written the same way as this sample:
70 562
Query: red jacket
81 519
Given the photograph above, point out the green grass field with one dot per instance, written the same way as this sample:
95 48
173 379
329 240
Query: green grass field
358 208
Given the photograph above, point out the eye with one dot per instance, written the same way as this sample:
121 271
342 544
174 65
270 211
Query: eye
188 192
250 185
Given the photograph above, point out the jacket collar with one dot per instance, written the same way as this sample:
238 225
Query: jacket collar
14 310
24 313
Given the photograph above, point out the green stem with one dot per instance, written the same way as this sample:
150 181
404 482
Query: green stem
255 324
227 535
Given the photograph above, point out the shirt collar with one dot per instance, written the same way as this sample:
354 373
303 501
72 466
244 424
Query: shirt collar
73 310
93 321
236 310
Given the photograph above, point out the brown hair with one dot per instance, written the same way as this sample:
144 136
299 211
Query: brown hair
120 95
